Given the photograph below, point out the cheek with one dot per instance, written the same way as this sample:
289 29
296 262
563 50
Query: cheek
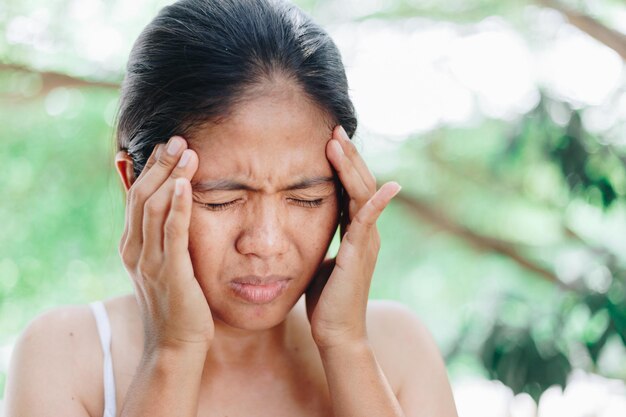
208 239
321 224
313 233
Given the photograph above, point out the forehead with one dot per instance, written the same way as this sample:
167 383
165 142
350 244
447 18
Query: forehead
265 141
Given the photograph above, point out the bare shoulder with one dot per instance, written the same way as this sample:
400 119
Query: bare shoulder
394 327
397 334
58 334
49 323
47 362
390 316
410 358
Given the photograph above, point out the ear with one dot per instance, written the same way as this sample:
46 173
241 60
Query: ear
124 165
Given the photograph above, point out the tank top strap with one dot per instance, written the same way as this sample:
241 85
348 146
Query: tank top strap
104 330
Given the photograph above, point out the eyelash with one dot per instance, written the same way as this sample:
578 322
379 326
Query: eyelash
303 203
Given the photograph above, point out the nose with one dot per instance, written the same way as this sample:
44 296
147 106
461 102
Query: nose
263 231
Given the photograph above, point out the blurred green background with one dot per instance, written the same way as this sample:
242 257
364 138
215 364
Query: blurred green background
505 122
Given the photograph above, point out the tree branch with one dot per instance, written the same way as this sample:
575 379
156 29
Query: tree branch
480 242
51 79
509 189
609 37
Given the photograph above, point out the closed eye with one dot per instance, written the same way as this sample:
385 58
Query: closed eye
308 203
223 206
220 206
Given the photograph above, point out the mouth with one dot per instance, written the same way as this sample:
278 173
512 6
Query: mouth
259 290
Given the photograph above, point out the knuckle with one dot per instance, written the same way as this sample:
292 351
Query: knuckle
128 259
177 172
120 247
366 218
376 204
137 195
360 220
146 267
147 167
165 161
171 229
152 207
142 267
123 255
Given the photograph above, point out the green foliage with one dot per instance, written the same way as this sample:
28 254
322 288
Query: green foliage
532 345
65 210
512 356
530 349
589 167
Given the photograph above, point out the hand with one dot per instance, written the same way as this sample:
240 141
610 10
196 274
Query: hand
154 250
336 299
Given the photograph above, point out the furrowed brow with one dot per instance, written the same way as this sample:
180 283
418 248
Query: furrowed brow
309 183
229 185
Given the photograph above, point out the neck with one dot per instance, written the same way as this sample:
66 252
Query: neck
247 348
233 347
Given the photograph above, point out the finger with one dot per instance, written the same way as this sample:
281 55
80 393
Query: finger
145 187
151 160
369 213
159 205
349 148
159 169
348 175
363 171
154 156
176 229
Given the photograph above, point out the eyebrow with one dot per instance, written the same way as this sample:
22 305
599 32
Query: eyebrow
229 185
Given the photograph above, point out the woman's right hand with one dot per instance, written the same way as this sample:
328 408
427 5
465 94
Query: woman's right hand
154 250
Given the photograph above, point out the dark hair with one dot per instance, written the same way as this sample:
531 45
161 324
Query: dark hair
198 58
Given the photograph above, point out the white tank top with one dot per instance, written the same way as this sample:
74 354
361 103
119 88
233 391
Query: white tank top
104 330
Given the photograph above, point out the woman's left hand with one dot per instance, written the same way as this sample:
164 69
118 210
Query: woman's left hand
336 299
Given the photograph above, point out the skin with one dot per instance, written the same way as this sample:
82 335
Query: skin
185 344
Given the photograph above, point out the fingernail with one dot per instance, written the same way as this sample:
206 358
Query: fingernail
184 158
343 133
397 191
174 145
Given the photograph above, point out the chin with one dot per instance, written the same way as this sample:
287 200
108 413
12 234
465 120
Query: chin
252 317
239 313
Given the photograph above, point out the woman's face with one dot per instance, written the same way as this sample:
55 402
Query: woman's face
265 207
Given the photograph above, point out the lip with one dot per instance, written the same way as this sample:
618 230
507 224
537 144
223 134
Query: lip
259 290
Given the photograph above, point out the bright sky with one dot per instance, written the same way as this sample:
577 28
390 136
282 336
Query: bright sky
421 74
